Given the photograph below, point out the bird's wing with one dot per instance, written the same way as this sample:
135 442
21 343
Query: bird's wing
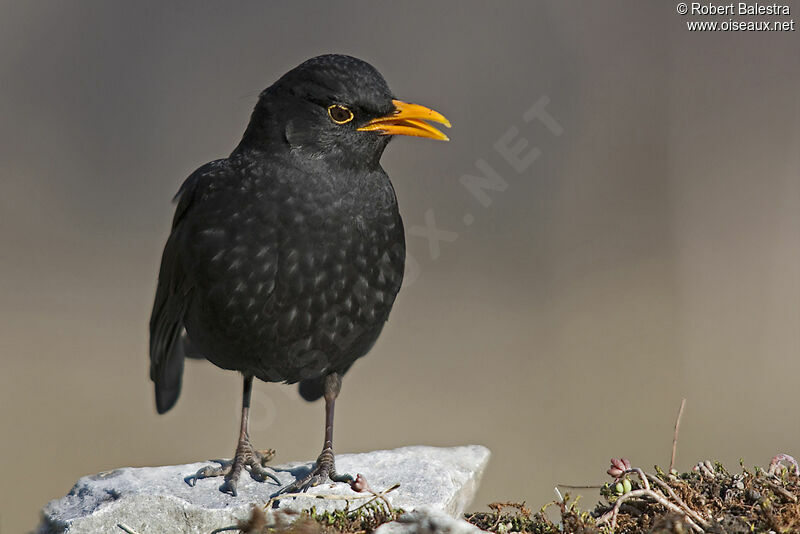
172 296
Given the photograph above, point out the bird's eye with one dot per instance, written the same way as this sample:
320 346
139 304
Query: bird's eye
340 114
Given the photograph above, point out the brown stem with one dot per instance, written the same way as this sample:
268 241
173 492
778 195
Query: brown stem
675 435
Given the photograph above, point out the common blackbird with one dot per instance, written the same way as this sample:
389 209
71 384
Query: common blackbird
285 258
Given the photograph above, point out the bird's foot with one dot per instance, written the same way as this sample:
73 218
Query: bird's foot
246 457
324 470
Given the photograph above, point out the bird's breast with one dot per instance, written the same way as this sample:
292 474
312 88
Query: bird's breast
287 268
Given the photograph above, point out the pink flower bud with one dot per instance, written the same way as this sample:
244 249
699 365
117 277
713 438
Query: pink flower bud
359 484
614 472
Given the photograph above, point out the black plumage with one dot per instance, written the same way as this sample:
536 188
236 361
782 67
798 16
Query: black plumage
285 258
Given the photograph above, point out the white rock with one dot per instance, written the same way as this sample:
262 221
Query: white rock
426 520
157 499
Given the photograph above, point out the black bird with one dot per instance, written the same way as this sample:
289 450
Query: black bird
285 258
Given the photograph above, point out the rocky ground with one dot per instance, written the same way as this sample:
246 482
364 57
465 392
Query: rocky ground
150 500
424 490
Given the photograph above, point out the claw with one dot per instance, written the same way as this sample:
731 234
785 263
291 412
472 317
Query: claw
324 469
208 471
263 474
229 486
245 458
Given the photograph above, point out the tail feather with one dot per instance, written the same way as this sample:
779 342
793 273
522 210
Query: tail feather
166 361
168 385
312 389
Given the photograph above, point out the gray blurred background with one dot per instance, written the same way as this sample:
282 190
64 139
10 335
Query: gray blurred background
651 252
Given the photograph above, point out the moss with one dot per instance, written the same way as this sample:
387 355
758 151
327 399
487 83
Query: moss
730 503
361 520
508 517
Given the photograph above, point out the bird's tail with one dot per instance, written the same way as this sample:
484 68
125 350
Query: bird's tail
312 389
168 383
166 364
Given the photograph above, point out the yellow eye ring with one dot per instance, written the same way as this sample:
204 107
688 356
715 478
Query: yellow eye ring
339 114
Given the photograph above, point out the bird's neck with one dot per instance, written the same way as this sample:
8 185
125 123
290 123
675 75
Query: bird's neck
261 135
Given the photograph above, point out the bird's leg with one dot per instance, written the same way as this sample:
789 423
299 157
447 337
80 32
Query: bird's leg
325 468
245 457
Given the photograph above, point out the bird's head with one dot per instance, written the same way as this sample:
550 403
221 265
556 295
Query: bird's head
336 107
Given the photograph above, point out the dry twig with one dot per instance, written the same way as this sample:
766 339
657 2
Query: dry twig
674 496
675 435
126 528
612 515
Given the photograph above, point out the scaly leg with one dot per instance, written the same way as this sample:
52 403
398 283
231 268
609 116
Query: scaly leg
245 457
325 468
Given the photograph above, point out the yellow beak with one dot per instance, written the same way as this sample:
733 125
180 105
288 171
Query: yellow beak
408 119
